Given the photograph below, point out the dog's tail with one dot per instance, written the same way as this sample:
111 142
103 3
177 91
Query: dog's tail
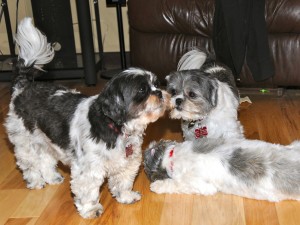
34 51
193 59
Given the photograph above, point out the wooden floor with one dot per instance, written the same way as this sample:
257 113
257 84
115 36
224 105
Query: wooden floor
268 118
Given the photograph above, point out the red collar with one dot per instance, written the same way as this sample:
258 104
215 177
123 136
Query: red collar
171 153
128 148
113 127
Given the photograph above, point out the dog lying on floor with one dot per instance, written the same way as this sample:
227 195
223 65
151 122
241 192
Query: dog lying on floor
98 136
215 156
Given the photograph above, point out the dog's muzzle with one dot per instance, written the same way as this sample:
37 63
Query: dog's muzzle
178 102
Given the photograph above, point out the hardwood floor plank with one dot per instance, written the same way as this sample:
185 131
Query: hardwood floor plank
9 202
175 209
60 209
219 209
4 102
288 212
151 205
21 221
13 180
260 212
7 164
4 87
18 221
35 202
247 115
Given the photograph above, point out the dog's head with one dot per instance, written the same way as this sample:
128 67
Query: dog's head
131 99
153 160
195 93
133 94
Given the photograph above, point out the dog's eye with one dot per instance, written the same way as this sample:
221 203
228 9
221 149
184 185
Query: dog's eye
156 84
173 92
142 90
192 94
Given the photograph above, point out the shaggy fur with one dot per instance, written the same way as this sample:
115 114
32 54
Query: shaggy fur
215 156
248 168
205 97
97 136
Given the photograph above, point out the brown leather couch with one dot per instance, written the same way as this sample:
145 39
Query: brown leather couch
162 30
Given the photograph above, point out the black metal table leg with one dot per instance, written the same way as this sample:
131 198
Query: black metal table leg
86 40
121 36
108 74
8 28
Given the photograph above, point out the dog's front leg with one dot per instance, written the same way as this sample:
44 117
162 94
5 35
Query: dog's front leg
85 185
171 186
121 183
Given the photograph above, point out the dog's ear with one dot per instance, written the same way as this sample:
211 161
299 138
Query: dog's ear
209 88
113 106
167 78
214 94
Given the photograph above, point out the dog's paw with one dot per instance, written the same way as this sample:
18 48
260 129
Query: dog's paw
128 197
207 190
35 184
158 187
90 212
56 179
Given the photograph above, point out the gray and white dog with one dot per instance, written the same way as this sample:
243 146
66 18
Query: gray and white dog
215 156
97 136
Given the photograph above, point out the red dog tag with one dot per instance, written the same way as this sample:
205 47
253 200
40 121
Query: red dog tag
129 150
200 132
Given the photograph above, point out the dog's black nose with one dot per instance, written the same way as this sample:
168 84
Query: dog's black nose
178 101
158 93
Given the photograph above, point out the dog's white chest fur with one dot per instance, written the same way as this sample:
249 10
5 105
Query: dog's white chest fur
220 122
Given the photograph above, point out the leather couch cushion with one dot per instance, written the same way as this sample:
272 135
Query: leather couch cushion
196 17
172 16
283 16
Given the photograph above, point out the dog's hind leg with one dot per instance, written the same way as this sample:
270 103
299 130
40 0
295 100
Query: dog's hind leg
48 164
36 162
26 156
28 162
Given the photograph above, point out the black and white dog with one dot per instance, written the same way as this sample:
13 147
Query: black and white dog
98 136
215 156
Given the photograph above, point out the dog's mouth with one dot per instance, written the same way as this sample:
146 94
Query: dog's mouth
179 108
185 114
183 110
160 105
156 109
